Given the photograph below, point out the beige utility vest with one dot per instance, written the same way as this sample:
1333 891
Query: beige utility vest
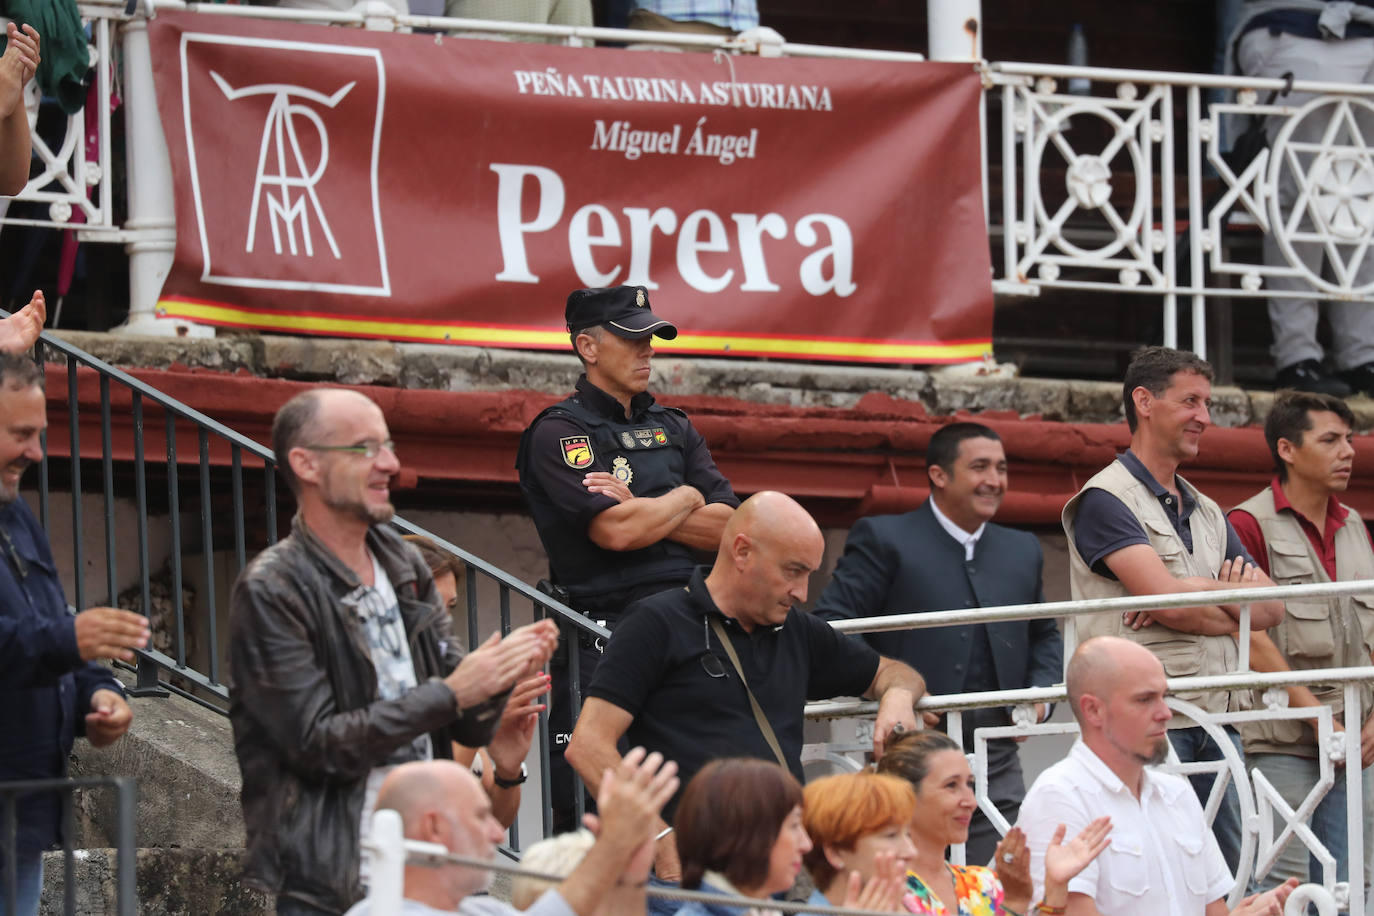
1182 654
1317 632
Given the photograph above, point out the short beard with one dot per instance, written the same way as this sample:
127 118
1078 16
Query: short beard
378 516
1158 755
9 494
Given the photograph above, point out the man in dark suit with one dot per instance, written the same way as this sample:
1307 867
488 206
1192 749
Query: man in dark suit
947 555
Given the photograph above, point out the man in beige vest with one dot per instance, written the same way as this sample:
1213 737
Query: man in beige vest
1137 528
1298 532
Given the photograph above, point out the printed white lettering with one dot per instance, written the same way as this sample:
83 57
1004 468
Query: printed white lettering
509 197
581 241
689 245
825 270
840 251
751 228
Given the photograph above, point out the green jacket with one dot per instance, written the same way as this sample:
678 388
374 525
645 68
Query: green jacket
63 72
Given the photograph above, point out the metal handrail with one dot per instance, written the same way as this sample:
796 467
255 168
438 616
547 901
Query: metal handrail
748 42
173 670
927 619
126 806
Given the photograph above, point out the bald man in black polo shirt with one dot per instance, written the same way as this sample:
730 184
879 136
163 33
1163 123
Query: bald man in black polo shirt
669 678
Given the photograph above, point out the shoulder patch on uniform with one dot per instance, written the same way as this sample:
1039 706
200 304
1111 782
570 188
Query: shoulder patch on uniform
577 451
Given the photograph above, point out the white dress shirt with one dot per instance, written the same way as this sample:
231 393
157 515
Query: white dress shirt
969 541
1162 857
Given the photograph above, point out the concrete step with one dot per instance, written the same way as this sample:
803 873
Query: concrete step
171 882
182 755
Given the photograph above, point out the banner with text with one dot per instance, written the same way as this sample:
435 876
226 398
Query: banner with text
408 187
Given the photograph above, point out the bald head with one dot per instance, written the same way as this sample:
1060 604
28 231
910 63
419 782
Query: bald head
769 515
770 547
307 418
1101 664
416 789
1118 692
442 802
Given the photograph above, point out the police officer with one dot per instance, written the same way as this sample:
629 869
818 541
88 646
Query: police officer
623 490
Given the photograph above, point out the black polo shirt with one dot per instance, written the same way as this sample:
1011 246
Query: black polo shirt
653 669
1104 525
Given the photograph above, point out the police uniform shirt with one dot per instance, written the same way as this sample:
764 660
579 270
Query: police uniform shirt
651 452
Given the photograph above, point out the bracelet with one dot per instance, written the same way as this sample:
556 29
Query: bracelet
510 783
1044 909
662 833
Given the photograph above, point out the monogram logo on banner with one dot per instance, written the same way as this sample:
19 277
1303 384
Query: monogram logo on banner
292 204
281 149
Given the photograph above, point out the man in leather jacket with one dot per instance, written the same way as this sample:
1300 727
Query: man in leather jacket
343 664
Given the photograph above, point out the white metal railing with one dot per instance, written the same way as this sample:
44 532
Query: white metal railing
1090 230
76 179
1259 801
392 853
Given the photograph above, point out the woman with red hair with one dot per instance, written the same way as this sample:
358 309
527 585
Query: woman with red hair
860 829
739 831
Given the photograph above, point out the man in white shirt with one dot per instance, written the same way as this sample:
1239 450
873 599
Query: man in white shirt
441 802
1161 850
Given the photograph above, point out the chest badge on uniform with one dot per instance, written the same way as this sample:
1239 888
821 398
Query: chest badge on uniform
644 435
620 467
627 440
660 436
577 451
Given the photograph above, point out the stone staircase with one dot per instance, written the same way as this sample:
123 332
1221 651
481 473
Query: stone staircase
189 826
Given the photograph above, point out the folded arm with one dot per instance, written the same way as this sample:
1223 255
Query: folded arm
643 520
1140 570
703 527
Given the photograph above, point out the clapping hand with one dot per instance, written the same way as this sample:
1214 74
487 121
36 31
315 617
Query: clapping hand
20 330
1065 860
1011 861
883 892
1269 903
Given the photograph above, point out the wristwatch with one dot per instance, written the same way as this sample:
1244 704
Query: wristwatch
511 783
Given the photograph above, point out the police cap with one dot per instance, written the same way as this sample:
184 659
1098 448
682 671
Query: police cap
622 310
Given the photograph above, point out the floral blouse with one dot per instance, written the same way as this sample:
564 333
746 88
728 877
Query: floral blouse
976 888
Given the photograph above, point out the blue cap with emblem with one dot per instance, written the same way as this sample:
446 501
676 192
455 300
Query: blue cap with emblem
622 310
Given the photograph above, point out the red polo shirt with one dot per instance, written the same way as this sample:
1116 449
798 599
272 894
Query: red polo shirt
1323 542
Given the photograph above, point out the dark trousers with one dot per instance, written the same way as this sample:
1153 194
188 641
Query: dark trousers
1193 745
607 609
1006 789
290 906
564 783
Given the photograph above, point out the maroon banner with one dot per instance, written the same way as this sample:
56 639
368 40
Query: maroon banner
409 187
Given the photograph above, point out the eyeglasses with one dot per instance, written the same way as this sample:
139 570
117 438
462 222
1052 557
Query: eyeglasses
710 662
368 448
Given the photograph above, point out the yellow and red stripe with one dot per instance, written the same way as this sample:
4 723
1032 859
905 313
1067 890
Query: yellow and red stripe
842 349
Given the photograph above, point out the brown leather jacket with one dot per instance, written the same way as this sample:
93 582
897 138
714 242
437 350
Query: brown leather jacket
308 726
